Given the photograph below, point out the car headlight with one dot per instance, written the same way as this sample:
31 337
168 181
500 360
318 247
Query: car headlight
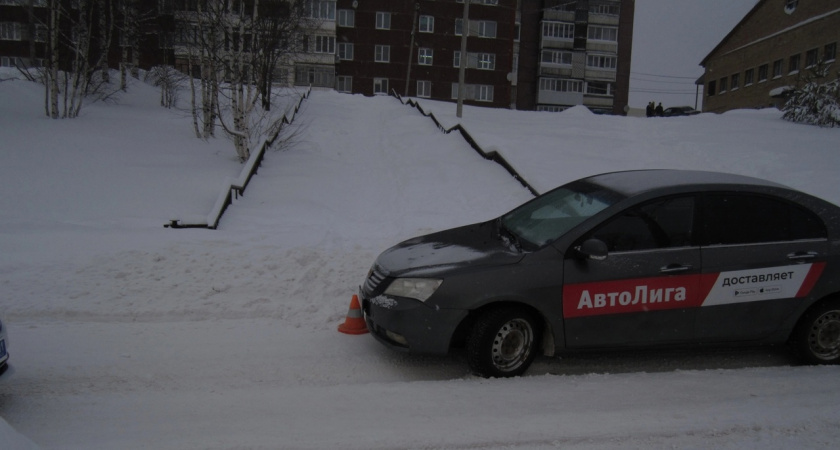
419 288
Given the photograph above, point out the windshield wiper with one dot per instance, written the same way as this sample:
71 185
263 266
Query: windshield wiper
508 236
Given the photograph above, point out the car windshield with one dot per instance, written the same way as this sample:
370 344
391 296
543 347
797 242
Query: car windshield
551 215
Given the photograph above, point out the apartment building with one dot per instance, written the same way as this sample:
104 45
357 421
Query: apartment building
585 51
414 48
21 40
545 55
522 54
768 52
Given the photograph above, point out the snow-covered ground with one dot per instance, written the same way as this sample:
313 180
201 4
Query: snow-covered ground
125 334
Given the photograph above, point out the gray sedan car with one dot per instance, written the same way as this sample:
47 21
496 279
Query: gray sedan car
619 260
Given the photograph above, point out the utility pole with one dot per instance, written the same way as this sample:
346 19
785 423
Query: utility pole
462 69
411 49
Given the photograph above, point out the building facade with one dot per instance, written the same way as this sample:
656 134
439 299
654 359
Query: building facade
585 51
769 52
413 48
546 55
21 40
520 54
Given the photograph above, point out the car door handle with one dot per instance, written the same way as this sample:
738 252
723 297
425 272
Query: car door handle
802 255
674 268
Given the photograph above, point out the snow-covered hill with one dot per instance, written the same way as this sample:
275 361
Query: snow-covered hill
125 334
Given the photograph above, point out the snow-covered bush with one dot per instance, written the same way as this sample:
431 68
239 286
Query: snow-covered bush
816 101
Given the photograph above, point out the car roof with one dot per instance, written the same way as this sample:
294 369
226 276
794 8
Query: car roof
635 182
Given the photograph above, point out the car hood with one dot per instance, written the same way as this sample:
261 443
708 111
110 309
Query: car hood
435 254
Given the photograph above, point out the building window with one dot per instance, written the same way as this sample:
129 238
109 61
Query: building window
599 88
424 88
41 33
345 51
601 62
427 24
793 64
561 85
486 61
605 9
425 56
483 61
10 31
383 20
324 44
346 18
320 76
712 89
777 68
480 28
477 92
811 57
380 86
736 81
603 33
557 57
762 73
486 29
749 75
344 84
723 84
559 30
320 9
830 52
382 53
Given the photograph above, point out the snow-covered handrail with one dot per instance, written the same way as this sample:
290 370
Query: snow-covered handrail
492 155
234 187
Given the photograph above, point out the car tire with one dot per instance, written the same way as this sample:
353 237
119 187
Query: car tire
816 338
503 343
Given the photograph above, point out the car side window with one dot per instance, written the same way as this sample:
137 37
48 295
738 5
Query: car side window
747 219
662 223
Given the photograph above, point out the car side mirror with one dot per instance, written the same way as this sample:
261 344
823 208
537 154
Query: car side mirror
594 249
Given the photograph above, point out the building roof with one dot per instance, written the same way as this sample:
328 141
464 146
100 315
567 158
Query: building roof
734 29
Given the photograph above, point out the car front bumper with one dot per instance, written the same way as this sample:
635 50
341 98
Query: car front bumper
410 325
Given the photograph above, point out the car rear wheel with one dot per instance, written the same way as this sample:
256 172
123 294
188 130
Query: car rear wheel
503 343
817 337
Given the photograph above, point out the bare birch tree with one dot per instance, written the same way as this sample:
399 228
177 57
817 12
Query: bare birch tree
79 34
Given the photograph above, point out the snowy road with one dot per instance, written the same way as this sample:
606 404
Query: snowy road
203 384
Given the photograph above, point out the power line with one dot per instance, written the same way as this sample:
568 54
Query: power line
664 76
661 91
683 83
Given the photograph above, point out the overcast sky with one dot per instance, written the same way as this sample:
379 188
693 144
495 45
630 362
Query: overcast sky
670 38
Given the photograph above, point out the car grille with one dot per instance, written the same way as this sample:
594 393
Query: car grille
374 281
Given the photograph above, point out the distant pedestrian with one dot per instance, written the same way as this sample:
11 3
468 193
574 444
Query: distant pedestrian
659 111
649 109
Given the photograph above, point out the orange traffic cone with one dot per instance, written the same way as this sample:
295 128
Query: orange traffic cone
354 323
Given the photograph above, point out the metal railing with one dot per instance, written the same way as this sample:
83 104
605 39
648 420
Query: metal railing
492 155
233 188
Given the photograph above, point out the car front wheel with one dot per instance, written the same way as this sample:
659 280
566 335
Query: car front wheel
503 343
817 337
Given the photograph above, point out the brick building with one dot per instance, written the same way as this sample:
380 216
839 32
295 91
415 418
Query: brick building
521 54
768 51
545 55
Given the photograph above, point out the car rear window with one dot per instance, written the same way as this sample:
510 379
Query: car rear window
747 219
